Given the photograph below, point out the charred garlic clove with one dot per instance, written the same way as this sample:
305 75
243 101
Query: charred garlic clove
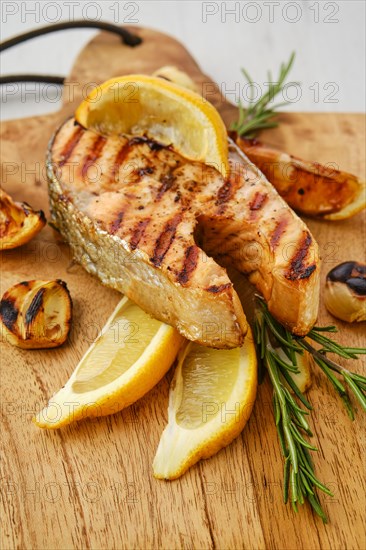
304 363
36 314
19 223
345 292
173 74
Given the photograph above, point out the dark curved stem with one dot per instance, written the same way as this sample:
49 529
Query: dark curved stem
51 79
128 38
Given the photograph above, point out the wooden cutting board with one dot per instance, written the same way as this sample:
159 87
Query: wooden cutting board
90 485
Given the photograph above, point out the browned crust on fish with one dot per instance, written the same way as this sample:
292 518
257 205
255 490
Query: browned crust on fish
148 204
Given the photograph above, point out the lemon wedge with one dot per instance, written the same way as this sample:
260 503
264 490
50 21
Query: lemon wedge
129 357
164 111
211 398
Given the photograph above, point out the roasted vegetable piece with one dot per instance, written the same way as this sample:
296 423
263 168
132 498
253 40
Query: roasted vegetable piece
345 292
36 314
19 223
308 187
173 74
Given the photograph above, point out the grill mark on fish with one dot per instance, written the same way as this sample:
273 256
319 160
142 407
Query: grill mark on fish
165 239
224 193
96 150
257 203
190 264
116 224
120 157
304 274
228 190
297 268
167 182
70 145
278 232
215 289
138 233
35 306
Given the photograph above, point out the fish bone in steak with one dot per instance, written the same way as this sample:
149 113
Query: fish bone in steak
161 229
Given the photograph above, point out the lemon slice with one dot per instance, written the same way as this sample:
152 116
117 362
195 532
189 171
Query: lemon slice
166 112
211 398
130 356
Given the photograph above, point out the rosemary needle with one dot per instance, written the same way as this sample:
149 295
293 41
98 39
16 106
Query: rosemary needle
356 383
260 114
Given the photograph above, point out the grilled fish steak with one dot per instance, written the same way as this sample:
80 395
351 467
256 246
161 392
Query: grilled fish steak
162 229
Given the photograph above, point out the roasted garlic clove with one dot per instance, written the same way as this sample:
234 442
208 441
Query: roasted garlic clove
19 223
171 73
36 314
304 363
345 292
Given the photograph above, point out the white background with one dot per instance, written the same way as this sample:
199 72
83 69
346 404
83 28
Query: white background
328 37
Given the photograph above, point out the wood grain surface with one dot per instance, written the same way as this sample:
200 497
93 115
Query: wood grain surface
90 485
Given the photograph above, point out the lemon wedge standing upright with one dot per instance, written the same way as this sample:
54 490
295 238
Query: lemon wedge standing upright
164 111
211 398
130 356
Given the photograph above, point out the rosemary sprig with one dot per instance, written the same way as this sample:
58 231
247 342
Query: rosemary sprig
259 115
356 383
300 481
290 410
